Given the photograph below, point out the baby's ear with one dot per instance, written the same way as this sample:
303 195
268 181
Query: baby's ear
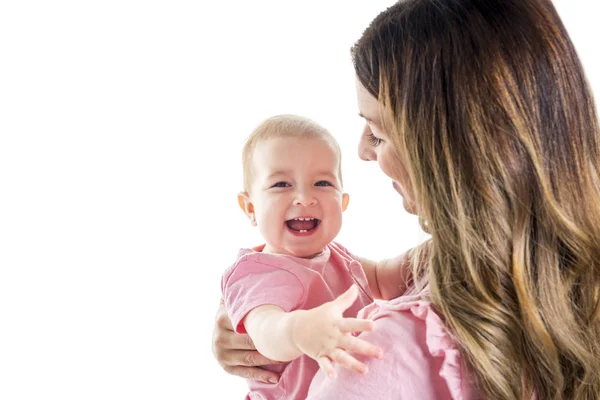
345 201
247 206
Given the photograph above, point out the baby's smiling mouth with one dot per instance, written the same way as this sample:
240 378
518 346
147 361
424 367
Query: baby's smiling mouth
302 224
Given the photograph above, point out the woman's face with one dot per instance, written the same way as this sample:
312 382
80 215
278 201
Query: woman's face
375 145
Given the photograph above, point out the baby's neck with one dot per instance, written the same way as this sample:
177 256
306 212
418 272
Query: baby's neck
270 250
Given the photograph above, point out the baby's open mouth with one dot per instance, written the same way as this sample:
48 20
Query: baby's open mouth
302 224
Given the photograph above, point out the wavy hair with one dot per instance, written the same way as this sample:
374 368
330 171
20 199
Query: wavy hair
489 105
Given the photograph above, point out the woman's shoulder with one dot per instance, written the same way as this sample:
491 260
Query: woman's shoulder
421 359
415 333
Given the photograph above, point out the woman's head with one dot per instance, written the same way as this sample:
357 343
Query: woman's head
486 108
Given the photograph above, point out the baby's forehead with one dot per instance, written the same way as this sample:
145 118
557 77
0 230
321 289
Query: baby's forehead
315 148
310 153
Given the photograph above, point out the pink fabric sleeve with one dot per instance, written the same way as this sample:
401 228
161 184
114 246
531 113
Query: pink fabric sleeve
250 284
344 250
420 362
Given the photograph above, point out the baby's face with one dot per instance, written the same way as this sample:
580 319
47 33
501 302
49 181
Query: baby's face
296 195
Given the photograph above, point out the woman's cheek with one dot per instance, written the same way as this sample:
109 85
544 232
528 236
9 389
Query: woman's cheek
387 165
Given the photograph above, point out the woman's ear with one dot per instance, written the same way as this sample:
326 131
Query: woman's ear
247 206
345 201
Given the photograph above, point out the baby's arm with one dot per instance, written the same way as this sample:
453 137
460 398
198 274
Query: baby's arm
321 333
388 278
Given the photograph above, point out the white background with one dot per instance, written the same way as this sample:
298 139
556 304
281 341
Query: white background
121 128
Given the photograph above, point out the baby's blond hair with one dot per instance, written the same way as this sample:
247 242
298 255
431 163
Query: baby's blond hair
285 125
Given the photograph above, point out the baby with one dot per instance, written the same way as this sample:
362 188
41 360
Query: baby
297 295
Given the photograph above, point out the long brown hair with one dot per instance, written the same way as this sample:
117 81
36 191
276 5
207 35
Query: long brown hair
490 107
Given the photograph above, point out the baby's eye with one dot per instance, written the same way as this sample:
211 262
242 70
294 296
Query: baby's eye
323 183
281 185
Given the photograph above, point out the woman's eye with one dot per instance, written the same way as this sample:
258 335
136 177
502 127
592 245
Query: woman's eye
373 140
281 185
323 183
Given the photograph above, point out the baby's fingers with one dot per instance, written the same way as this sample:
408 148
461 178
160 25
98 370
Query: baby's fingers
348 325
359 346
347 361
326 367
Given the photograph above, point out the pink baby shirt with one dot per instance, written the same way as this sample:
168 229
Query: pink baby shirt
420 359
291 283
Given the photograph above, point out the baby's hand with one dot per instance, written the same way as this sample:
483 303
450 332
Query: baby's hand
325 335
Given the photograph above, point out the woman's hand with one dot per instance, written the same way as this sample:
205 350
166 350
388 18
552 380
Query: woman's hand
236 353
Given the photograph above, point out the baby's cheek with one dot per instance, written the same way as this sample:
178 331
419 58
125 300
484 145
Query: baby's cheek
337 222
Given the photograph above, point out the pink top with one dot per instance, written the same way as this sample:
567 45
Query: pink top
420 359
291 283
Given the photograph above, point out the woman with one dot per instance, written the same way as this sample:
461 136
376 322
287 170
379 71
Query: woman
480 112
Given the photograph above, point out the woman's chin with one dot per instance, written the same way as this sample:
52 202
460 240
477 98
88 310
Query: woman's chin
409 206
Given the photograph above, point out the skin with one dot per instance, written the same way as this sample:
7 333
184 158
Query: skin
237 353
298 178
292 178
322 333
375 145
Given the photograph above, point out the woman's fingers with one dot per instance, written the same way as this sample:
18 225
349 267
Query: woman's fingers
237 353
348 325
227 344
347 361
257 374
222 319
247 358
229 340
224 337
246 364
359 346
